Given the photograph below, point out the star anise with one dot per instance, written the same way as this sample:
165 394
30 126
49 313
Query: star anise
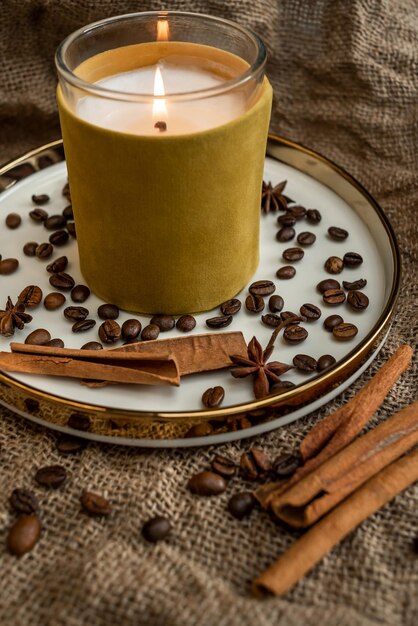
12 317
272 198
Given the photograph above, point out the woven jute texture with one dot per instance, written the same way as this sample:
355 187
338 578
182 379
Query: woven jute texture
345 76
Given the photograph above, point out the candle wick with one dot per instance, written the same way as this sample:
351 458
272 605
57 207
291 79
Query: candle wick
162 126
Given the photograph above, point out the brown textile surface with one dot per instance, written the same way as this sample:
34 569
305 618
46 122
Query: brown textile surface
345 75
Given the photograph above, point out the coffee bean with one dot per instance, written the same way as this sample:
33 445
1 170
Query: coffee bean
276 304
262 288
52 476
95 505
55 343
38 337
108 312
220 321
223 466
75 313
325 361
31 405
352 259
31 296
281 386
355 285
304 362
83 325
150 332
92 345
41 198
306 238
313 216
231 307
80 293
286 272
295 333
8 266
199 430
71 230
67 444
297 211
337 233
287 315
271 319
328 283
334 265
333 297
44 250
186 323
131 329
66 192
68 212
207 484
58 265
54 300
254 303
286 233
331 321
38 215
13 220
79 421
357 300
24 534
59 238
254 464
164 322
213 397
110 331
23 502
61 280
241 504
286 465
345 331
29 249
293 254
286 220
310 311
156 529
54 222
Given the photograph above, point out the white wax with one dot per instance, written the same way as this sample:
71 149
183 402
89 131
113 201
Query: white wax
181 117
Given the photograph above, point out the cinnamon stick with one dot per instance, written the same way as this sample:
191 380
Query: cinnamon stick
305 553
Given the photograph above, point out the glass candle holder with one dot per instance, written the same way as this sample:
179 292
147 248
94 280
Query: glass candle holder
164 119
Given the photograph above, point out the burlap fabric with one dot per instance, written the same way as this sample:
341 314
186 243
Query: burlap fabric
345 74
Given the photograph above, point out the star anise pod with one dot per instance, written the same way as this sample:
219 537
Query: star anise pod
12 317
272 198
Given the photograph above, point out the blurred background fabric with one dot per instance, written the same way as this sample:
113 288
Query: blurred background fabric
345 78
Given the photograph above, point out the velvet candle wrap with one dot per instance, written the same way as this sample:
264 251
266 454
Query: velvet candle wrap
166 223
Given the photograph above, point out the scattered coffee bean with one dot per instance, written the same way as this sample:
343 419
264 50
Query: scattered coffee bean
75 313
285 234
131 329
328 283
254 303
313 216
61 280
38 337
79 421
337 233
95 505
67 444
66 192
13 220
207 484
262 288
271 319
54 222
254 464
59 238
71 230
55 343
285 465
31 296
293 254
92 345
220 321
297 211
38 215
58 265
276 304
286 220
24 534
80 293
54 300
164 322
304 363
295 333
345 331
41 198
286 272
287 315
306 239
52 476
223 466
29 249
108 312
31 405
241 504
334 265
310 311
333 297
325 361
68 212
355 285
282 386
352 259
186 323
357 300
83 325
331 321
199 430
8 266
44 250
213 397
23 502
156 529
150 332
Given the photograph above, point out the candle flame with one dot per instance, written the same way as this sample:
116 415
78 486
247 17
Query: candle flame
159 108
163 30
